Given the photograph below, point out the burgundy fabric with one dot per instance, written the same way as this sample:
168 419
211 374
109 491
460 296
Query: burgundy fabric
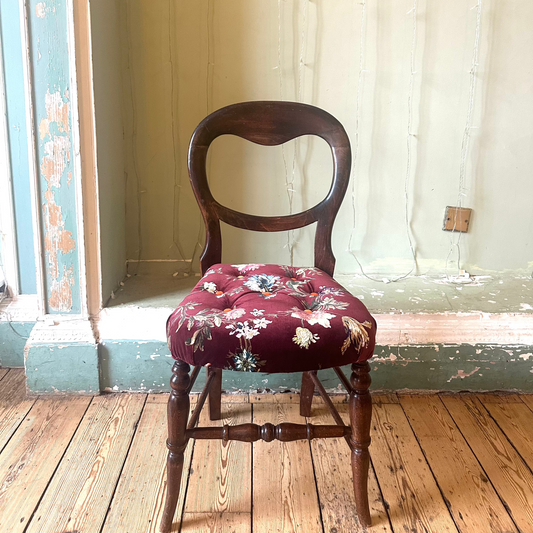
270 318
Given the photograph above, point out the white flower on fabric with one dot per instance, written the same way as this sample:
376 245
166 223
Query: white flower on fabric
233 314
261 323
242 329
248 267
257 312
209 286
303 337
313 317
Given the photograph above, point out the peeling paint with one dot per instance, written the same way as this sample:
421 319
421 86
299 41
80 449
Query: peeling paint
54 130
40 10
525 356
61 293
462 374
51 63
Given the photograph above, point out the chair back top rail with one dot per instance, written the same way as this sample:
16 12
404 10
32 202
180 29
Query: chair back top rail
270 123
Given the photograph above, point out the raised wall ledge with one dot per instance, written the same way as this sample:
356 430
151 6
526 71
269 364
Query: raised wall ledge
417 310
418 348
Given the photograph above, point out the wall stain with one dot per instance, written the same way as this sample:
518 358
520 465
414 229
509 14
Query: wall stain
54 130
40 10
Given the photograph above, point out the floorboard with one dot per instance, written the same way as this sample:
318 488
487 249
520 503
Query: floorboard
81 490
220 477
216 522
472 501
516 421
332 464
31 456
506 470
413 498
139 498
284 496
3 372
440 464
13 404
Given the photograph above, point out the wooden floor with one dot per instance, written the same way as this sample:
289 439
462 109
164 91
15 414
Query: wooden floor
440 463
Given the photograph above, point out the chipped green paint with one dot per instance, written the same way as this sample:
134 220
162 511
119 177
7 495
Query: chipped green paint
145 366
48 31
13 336
59 367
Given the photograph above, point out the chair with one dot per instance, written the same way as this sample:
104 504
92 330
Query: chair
269 318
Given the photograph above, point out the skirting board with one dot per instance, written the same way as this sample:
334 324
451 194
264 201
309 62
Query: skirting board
446 351
146 367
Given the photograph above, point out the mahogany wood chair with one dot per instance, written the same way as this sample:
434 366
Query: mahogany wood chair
269 318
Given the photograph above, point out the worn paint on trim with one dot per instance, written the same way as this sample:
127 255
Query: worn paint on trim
53 121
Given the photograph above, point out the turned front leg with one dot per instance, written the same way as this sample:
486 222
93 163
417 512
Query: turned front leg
360 419
178 414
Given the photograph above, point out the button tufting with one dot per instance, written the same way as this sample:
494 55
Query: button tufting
308 332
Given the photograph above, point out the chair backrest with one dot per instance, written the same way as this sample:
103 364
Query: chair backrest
270 124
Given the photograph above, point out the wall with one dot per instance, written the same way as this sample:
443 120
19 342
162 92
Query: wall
109 133
181 60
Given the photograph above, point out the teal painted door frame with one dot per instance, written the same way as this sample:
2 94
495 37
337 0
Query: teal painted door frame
16 116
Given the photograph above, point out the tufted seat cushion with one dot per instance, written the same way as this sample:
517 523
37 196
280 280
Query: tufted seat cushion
270 318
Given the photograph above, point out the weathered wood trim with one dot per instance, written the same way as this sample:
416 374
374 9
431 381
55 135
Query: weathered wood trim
79 179
53 103
7 211
32 166
80 55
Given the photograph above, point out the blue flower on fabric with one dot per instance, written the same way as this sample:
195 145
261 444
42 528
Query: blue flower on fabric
245 361
262 283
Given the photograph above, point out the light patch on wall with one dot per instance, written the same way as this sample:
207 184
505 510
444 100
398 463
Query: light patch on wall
40 10
57 148
462 374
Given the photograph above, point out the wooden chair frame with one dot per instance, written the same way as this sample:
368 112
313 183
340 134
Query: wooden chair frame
269 124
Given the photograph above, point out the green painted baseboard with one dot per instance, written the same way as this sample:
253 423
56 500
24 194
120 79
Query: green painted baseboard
13 337
59 368
146 366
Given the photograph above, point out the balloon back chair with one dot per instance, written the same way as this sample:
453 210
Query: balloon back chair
269 318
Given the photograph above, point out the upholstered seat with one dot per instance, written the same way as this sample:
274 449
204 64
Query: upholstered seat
270 318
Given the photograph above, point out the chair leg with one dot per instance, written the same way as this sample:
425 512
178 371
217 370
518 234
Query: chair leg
360 419
306 394
215 394
178 414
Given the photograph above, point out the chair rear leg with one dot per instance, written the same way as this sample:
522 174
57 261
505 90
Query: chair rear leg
178 414
360 419
215 394
306 394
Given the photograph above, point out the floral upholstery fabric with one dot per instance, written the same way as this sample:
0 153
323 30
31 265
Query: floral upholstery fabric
270 318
